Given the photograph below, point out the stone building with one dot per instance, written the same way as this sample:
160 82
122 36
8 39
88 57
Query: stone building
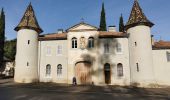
92 56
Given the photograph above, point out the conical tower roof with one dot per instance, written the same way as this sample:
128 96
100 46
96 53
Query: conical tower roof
29 20
137 17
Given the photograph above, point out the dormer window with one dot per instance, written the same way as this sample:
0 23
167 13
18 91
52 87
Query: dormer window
74 42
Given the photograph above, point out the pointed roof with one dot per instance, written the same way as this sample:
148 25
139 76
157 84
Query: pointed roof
29 21
137 17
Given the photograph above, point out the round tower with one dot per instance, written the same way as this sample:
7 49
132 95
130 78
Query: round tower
26 69
141 64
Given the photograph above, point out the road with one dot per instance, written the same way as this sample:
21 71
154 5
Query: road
51 91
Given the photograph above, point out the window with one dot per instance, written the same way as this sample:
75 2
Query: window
168 56
135 43
28 41
27 63
119 70
137 66
91 42
48 70
74 42
59 69
48 50
106 47
118 47
59 49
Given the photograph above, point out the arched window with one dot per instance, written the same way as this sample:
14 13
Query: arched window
118 47
119 70
59 69
74 42
48 70
107 67
91 42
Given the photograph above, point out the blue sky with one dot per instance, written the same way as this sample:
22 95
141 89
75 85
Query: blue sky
56 14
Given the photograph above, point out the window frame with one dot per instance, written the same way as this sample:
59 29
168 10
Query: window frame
74 44
119 46
48 70
120 71
59 50
48 51
106 47
168 56
59 70
90 42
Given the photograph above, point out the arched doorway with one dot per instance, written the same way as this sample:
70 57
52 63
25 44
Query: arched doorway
83 72
107 73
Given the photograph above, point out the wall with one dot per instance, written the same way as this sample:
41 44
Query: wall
77 54
161 67
53 59
114 58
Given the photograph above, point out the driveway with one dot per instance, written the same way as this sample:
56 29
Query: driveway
51 91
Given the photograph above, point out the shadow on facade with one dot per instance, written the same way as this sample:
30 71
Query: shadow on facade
99 57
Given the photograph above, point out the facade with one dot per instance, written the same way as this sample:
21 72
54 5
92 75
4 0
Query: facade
92 56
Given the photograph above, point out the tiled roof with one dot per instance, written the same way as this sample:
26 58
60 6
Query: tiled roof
29 21
137 17
54 36
61 36
161 45
105 34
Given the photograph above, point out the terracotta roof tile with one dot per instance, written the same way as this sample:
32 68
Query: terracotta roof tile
54 36
104 34
162 45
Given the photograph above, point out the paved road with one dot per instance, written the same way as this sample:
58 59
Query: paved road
48 91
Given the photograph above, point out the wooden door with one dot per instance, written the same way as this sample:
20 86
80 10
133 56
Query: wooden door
83 72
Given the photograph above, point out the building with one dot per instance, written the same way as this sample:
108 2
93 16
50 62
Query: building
92 56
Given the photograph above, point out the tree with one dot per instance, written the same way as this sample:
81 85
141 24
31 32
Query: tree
10 49
121 24
103 20
2 36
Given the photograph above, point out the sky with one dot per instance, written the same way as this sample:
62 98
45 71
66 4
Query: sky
62 14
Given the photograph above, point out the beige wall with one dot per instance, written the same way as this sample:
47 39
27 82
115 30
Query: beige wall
53 59
114 58
77 54
161 67
26 53
141 53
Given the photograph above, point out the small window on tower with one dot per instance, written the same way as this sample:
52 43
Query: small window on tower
27 63
28 41
137 66
135 43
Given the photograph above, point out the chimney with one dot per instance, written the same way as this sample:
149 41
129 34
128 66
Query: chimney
60 31
112 28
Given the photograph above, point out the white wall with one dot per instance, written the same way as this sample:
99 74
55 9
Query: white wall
26 53
53 59
77 54
114 58
161 67
141 53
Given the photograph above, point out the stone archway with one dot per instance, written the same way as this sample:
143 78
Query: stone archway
83 72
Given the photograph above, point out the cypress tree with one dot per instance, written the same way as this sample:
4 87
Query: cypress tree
103 20
121 24
2 36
